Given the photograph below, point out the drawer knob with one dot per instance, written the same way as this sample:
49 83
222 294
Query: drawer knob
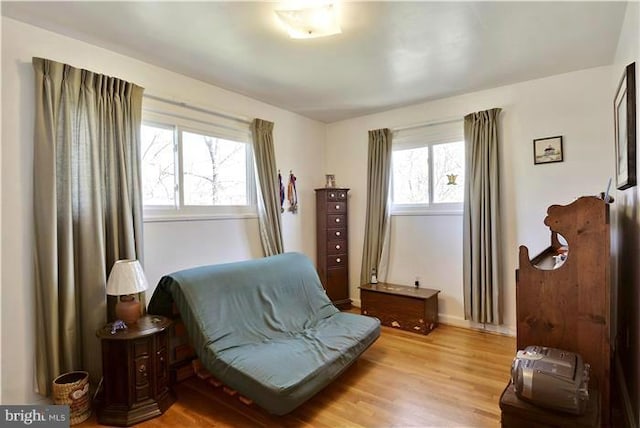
142 369
337 220
342 195
337 207
337 247
337 233
333 195
338 260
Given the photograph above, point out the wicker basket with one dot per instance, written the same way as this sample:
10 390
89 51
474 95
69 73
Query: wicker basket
72 389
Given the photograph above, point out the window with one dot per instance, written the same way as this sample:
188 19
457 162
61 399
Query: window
428 169
158 165
194 168
214 170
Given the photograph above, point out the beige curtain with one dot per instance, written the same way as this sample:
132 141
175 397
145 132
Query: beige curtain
87 208
481 219
377 215
269 189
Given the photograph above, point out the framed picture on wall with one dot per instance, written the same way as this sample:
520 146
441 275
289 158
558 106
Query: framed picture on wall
624 113
547 150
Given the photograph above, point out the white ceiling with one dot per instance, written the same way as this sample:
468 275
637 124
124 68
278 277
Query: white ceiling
389 54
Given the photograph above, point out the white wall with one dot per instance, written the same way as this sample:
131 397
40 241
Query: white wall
575 105
437 264
628 49
0 223
299 145
625 244
627 201
197 243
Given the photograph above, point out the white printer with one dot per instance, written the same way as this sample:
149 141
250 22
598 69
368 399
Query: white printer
551 378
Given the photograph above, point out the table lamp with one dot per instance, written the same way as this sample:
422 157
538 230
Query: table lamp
126 279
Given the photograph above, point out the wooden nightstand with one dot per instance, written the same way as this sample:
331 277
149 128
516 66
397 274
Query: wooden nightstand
135 368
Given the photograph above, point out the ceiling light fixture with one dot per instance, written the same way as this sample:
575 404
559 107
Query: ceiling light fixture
310 22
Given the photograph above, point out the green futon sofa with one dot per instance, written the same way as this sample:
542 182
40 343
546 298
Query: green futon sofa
265 327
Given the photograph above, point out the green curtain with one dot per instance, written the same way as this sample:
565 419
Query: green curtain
481 234
269 194
377 215
87 208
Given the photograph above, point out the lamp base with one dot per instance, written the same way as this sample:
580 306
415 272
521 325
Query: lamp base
128 309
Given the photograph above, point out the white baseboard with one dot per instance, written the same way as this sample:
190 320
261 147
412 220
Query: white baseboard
43 401
461 322
624 393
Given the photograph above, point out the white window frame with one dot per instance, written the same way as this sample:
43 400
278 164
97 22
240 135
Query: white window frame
196 122
427 136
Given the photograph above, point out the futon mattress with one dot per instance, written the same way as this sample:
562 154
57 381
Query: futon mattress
266 327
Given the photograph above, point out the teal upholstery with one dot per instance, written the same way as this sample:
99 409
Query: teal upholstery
265 327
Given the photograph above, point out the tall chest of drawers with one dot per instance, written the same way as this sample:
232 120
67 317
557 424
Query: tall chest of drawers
332 244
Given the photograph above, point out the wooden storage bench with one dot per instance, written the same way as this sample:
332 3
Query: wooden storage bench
407 308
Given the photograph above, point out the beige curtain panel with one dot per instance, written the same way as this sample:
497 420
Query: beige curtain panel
87 208
481 220
377 215
269 189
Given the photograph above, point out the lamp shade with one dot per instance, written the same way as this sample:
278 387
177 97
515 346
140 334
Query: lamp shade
126 277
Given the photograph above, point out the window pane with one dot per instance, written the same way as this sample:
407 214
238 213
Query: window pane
215 170
448 161
158 167
411 176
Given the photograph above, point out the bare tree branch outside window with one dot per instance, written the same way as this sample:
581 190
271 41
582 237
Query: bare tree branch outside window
158 168
214 169
411 174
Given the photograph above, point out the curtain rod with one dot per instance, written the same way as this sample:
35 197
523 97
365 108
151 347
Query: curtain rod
426 124
199 109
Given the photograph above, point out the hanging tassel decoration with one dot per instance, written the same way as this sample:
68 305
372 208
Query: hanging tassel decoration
281 192
292 193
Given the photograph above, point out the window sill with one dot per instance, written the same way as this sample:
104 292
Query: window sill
163 218
426 213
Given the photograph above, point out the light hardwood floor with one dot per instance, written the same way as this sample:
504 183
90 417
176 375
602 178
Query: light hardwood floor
451 378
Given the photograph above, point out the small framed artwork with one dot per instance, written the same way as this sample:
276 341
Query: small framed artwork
547 150
330 181
624 114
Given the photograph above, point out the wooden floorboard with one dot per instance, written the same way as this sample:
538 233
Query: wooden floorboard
451 378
